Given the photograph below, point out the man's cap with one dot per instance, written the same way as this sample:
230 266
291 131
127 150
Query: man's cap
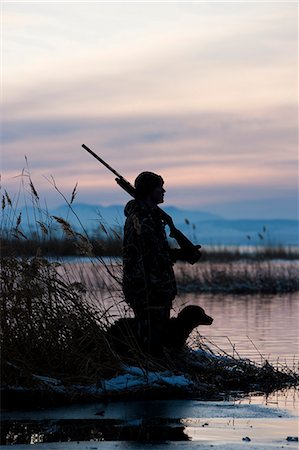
146 182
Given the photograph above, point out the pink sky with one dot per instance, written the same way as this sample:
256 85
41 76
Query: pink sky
205 94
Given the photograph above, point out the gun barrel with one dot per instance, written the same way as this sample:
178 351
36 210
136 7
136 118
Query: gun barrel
101 161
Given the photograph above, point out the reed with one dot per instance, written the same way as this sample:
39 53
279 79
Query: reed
52 243
222 254
48 326
246 277
48 323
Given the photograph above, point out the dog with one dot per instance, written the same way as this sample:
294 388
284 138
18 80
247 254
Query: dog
123 334
180 327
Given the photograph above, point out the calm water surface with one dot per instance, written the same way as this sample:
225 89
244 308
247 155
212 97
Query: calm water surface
252 326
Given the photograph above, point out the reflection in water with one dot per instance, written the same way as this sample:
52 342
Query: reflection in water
152 422
285 399
141 430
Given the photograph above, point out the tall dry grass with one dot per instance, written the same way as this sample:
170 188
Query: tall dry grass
239 277
48 324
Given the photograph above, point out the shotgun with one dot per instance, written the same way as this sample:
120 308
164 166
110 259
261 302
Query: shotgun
184 243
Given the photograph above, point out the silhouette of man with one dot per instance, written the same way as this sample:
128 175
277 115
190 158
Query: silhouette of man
149 283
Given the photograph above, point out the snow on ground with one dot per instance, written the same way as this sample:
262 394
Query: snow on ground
132 378
136 377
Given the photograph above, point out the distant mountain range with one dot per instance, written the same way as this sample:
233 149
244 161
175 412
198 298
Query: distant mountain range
200 226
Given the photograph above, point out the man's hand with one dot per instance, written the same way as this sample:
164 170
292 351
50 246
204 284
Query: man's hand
191 256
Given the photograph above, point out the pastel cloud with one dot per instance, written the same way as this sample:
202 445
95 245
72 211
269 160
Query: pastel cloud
150 68
204 93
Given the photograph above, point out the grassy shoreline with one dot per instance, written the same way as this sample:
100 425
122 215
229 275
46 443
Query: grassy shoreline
111 246
239 277
50 329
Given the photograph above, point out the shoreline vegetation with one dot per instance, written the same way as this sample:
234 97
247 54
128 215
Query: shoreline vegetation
109 244
56 350
55 347
261 270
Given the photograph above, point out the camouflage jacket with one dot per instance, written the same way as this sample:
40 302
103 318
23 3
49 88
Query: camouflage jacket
148 277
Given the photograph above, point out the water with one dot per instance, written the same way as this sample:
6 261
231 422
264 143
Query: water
255 327
180 424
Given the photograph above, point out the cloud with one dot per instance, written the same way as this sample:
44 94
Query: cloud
203 94
191 149
151 63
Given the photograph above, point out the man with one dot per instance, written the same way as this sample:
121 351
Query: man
148 279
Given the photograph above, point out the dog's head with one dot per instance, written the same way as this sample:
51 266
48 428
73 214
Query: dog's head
193 315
